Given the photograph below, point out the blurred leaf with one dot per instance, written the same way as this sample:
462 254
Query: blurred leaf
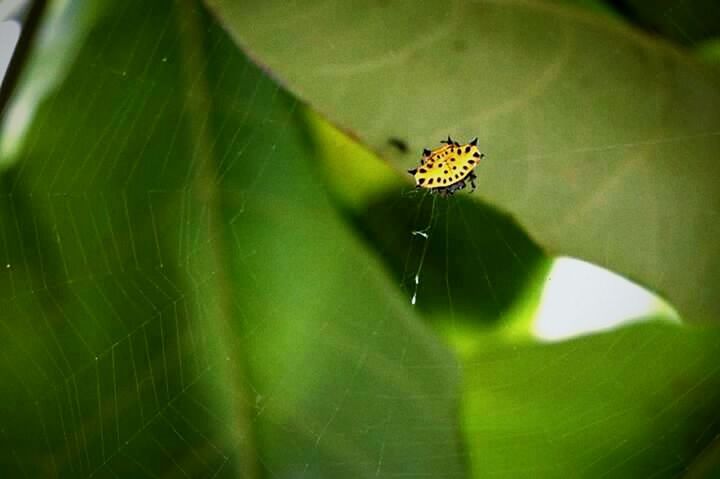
688 22
180 298
65 27
601 143
546 412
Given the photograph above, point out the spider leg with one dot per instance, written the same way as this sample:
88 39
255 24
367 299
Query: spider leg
472 181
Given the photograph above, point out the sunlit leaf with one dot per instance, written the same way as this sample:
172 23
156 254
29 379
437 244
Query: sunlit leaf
638 402
601 142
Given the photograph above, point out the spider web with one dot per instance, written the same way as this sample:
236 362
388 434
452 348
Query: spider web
161 206
159 228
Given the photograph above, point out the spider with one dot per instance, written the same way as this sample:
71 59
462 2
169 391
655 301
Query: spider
448 168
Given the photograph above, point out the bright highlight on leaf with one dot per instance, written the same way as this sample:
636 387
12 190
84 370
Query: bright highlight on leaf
580 298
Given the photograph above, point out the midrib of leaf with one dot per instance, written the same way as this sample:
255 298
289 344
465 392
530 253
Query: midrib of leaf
234 372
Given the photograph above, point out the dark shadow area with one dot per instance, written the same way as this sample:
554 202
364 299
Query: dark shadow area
476 262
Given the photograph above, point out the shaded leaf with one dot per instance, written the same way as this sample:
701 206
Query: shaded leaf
687 22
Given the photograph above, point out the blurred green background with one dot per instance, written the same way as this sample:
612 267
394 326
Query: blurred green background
213 264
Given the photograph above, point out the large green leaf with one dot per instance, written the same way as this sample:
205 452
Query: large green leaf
601 142
638 402
180 298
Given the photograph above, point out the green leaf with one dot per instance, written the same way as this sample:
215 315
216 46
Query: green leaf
601 142
638 402
180 297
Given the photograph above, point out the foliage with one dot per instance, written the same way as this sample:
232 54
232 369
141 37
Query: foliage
205 278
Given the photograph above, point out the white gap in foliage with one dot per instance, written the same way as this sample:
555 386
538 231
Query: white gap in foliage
12 8
9 35
580 298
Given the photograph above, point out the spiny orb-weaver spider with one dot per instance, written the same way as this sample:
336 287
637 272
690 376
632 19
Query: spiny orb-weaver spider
448 168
